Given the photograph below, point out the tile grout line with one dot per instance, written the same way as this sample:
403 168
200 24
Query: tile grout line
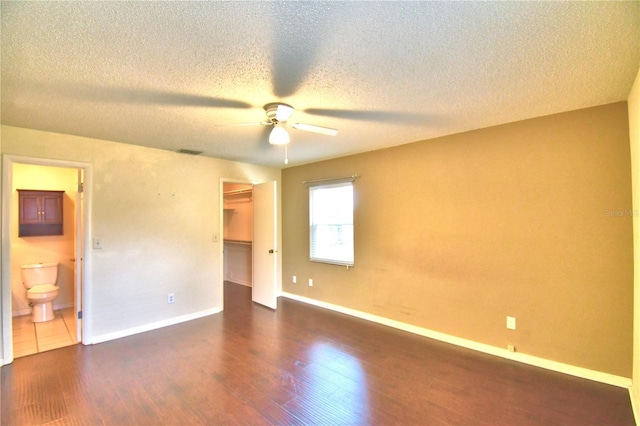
66 326
35 331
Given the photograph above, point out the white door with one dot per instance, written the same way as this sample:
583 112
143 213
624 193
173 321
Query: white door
79 253
265 245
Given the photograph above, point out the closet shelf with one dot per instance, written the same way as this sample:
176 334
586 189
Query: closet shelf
238 191
243 242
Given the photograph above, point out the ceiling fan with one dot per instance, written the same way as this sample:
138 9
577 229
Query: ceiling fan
278 114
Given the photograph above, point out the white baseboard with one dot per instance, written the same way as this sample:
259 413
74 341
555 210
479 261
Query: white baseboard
470 344
153 326
21 312
56 307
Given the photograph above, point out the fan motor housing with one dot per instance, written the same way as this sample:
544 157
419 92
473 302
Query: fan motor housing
272 108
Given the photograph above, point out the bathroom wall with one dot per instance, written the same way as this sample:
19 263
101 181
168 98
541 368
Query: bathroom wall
53 248
156 212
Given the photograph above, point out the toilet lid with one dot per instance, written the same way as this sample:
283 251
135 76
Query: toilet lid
43 288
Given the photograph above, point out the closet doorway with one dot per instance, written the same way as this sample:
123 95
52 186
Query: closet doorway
250 238
238 233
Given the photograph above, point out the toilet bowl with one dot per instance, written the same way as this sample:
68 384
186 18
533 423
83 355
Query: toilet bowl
40 281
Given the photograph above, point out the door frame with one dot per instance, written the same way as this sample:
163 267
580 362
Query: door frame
83 288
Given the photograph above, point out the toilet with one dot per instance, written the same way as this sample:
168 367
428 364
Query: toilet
40 281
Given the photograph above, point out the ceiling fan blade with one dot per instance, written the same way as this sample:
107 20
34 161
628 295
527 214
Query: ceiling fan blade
283 113
135 96
255 123
373 115
316 129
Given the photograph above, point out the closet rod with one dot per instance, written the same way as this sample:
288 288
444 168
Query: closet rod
343 178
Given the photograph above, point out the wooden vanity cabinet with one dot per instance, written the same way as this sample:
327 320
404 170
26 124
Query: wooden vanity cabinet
40 212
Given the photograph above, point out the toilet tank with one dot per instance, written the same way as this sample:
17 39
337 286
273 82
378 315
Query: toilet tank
39 273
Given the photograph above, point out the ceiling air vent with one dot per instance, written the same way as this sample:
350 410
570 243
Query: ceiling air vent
188 151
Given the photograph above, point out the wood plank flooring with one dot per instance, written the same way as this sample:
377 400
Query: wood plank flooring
299 365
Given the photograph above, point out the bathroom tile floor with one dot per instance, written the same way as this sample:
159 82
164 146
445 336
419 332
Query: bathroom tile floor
30 338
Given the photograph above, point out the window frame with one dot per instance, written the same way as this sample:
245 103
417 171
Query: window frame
347 261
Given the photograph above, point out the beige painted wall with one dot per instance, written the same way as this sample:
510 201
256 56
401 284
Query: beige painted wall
634 136
156 212
528 219
54 248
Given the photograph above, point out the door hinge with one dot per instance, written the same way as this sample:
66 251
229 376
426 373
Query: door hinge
79 314
81 187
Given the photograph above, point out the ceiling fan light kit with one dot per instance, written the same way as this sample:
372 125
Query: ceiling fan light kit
278 135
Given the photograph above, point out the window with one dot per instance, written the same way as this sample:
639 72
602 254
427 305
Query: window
331 223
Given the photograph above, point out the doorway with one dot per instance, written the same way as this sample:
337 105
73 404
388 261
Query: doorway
238 233
250 239
21 336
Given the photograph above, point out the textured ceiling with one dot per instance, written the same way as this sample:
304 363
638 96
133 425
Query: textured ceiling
165 74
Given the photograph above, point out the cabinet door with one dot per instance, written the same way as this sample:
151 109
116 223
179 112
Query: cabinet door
51 208
29 211
40 213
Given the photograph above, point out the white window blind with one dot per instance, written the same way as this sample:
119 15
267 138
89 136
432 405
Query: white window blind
331 223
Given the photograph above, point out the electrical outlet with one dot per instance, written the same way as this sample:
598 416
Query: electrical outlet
310 282
295 279
511 323
511 348
171 297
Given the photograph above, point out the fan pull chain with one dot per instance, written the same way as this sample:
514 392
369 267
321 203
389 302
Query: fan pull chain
286 156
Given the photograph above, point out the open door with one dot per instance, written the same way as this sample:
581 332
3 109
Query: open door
79 254
265 245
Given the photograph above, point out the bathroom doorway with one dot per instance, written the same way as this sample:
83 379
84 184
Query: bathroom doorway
21 336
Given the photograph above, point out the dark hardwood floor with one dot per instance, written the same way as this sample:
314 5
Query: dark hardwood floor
298 365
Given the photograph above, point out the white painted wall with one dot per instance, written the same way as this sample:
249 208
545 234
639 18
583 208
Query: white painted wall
634 136
238 213
156 212
238 258
2 275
